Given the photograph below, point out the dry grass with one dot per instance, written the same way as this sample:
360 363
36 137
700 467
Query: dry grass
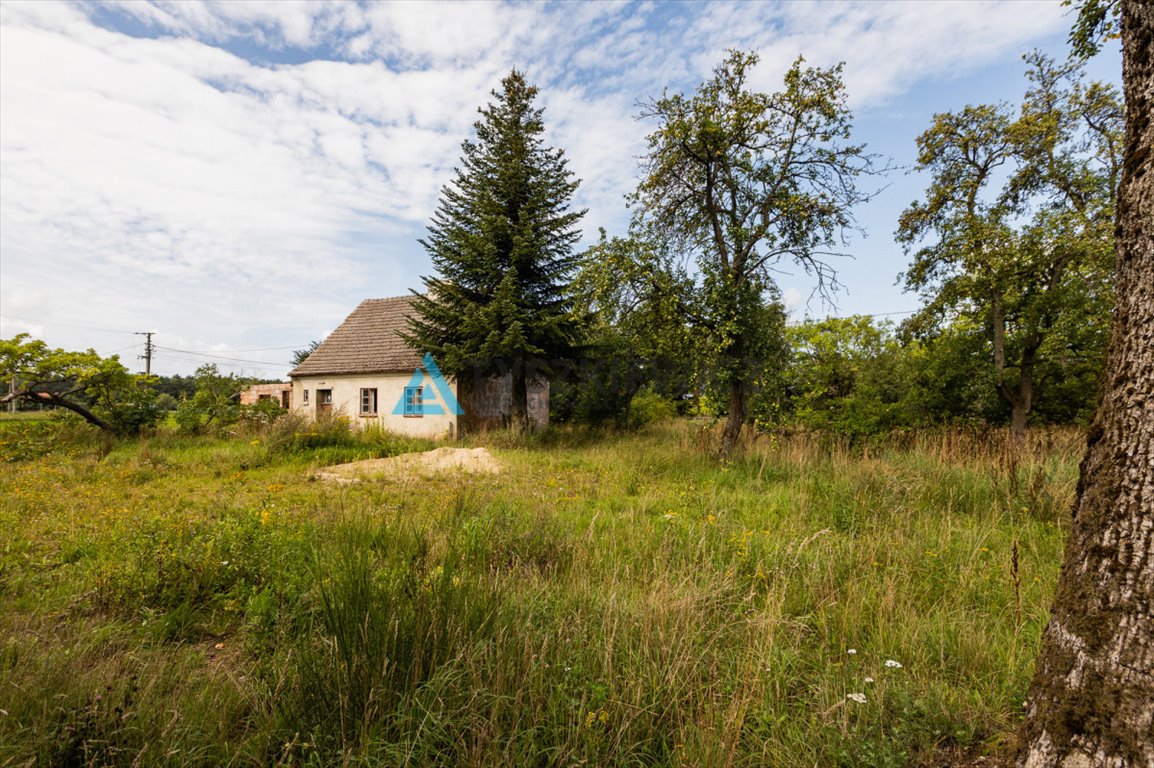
618 601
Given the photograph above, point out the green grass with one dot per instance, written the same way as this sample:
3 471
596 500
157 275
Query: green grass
607 600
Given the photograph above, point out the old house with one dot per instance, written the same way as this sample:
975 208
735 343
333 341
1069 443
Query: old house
280 393
366 371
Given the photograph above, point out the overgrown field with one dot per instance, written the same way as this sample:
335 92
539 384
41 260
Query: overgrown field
607 600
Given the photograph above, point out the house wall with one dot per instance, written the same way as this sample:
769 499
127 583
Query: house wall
278 392
390 389
488 402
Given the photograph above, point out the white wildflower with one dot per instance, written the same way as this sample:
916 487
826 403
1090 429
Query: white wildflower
868 680
852 651
858 697
893 664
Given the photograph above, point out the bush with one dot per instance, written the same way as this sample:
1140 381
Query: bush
648 407
166 402
25 439
294 432
214 407
131 411
332 439
260 414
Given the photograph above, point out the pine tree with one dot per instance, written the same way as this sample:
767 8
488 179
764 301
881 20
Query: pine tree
502 242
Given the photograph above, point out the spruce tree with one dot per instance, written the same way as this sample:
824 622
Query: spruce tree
502 241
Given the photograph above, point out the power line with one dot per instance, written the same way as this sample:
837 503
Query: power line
222 357
262 367
874 314
148 349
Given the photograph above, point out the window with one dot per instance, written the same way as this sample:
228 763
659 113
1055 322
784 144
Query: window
413 401
369 402
306 397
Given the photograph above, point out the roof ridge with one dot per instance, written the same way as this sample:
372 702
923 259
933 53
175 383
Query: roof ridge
368 341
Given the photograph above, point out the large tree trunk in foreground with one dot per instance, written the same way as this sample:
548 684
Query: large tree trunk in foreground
1092 699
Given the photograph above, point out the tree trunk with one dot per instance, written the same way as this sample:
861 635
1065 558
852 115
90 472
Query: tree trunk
736 418
1018 415
51 398
1092 699
1021 400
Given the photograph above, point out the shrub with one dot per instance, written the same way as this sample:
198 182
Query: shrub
260 414
648 407
132 410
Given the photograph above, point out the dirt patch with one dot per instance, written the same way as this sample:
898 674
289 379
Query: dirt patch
469 460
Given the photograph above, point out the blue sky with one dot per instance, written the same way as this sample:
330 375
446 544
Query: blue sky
237 176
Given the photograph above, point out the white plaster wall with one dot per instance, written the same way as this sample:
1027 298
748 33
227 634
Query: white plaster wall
390 389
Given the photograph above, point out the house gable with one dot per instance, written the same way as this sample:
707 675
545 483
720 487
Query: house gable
366 359
368 341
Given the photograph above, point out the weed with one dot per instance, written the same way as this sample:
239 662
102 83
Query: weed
609 599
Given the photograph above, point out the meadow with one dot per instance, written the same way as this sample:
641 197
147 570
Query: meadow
608 599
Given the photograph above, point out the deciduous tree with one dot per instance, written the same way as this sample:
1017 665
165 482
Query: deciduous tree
743 180
1018 216
1092 700
637 334
100 390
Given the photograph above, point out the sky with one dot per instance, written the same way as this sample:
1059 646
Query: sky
235 177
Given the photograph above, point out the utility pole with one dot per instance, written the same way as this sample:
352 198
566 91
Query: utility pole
147 356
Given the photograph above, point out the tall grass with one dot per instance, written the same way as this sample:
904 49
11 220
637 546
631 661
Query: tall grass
613 600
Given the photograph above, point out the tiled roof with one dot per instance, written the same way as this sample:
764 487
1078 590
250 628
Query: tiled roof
368 341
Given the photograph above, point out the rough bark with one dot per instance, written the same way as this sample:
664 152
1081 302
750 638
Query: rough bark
1092 699
60 401
1020 400
736 419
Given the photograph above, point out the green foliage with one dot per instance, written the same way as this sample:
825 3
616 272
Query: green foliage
649 407
166 402
1097 20
1029 263
742 180
850 375
502 241
954 380
131 409
625 601
261 414
99 390
853 376
332 440
636 335
214 406
178 387
300 355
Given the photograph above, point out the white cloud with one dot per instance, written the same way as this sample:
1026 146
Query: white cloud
792 299
174 183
